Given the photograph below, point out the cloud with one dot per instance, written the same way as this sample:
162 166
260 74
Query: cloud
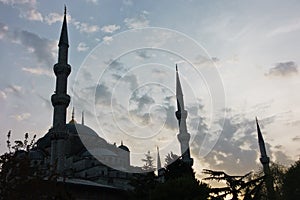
81 26
295 139
11 89
107 39
236 150
27 9
40 47
3 30
141 101
21 117
143 54
286 28
140 21
102 95
55 17
3 95
82 47
38 71
131 80
110 28
127 2
171 122
85 27
33 15
16 89
282 158
283 69
95 2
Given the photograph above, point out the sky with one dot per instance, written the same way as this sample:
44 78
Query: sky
237 60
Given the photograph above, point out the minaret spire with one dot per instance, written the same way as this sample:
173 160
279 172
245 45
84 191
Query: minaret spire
82 118
265 160
160 170
181 115
63 41
73 113
158 160
60 101
261 143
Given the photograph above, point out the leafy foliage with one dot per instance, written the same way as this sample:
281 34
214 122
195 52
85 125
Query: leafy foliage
236 186
291 182
19 179
149 162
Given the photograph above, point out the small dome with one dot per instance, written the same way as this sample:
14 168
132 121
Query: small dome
123 147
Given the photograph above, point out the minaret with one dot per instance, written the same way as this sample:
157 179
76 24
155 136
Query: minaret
265 160
60 101
181 115
82 118
160 170
158 160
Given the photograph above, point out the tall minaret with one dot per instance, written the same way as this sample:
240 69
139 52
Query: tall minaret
181 115
60 101
265 160
158 160
160 170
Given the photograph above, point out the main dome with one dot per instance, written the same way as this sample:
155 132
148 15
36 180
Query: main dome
76 134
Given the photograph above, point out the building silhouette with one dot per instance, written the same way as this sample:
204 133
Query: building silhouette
62 148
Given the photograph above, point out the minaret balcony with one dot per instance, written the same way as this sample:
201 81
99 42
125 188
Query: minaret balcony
184 137
264 160
60 99
60 68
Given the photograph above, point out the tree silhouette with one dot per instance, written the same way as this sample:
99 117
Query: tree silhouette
291 182
19 179
148 162
236 186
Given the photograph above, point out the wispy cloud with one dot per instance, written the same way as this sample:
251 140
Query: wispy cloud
3 30
27 9
95 2
107 39
38 71
283 69
128 2
40 47
297 138
21 117
82 47
3 95
55 17
137 22
110 28
286 28
85 27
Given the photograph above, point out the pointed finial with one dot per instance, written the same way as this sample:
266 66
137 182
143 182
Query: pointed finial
261 141
72 121
82 118
65 12
260 138
121 142
176 68
73 112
